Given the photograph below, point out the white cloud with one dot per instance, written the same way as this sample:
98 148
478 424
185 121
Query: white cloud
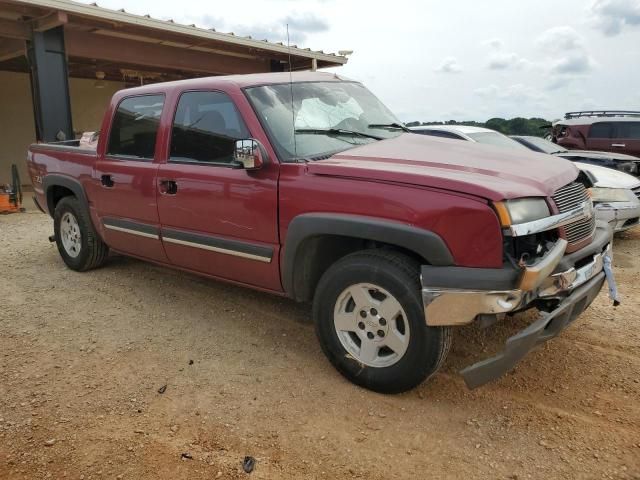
560 38
300 25
573 63
506 61
487 92
449 65
558 82
611 16
495 43
567 51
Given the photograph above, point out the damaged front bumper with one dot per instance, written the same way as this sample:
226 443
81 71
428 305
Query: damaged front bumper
548 326
457 296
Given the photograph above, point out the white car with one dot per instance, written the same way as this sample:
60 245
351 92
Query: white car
471 134
616 195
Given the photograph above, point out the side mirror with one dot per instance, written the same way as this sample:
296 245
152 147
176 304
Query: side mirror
249 154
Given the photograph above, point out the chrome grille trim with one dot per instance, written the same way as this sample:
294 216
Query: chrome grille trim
567 198
636 191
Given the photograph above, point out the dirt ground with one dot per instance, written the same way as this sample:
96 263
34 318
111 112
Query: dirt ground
82 357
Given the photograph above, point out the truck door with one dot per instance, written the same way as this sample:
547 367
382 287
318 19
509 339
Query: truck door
124 183
215 218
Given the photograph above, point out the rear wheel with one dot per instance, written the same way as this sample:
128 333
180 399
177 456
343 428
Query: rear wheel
78 243
370 322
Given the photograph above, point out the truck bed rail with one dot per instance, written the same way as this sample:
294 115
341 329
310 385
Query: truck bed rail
62 147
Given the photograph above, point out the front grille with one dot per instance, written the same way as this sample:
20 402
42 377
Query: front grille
636 191
567 198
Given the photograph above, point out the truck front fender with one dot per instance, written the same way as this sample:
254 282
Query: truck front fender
428 245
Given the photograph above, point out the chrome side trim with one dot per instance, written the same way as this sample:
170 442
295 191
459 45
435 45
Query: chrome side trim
132 232
583 211
224 251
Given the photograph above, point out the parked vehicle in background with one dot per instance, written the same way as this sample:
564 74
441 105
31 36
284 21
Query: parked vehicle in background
471 134
305 185
617 204
607 131
615 195
617 161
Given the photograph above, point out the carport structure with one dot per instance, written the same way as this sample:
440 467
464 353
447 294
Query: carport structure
60 61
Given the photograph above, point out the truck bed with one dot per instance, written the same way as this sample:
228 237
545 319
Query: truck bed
66 159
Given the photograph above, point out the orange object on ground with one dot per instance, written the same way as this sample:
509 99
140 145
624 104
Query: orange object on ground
11 195
7 204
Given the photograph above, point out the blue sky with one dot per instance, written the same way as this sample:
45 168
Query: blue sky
460 59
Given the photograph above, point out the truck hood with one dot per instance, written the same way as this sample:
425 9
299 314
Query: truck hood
494 173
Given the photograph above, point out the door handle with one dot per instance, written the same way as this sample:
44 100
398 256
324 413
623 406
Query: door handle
107 181
168 187
619 145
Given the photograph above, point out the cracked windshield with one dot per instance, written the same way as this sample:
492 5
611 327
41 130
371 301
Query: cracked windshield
327 117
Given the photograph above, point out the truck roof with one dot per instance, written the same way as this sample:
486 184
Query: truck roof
242 81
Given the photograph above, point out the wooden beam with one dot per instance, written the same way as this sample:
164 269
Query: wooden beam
159 57
13 29
10 48
53 20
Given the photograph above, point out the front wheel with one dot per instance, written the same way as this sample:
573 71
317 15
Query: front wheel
370 321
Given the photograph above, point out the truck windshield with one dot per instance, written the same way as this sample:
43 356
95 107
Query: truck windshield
324 118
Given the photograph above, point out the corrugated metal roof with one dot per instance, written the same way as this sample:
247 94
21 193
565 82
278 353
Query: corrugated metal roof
146 21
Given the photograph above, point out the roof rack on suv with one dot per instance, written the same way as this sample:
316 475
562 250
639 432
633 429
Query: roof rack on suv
602 113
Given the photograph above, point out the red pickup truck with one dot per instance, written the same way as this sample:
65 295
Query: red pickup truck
308 187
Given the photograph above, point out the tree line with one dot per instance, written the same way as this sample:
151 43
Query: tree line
537 127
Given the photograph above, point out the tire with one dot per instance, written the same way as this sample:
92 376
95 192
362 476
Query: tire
378 283
78 243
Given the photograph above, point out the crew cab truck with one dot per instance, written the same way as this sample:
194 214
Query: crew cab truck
307 186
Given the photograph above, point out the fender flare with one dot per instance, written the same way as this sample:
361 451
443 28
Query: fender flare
424 243
54 180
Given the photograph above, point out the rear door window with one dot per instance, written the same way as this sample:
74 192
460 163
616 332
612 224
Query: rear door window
628 130
205 129
135 127
601 130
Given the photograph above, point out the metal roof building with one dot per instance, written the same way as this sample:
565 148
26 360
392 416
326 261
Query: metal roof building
60 61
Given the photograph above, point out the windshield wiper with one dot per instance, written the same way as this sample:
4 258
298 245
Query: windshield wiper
337 131
390 125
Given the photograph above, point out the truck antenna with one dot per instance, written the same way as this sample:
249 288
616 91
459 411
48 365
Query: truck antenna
293 111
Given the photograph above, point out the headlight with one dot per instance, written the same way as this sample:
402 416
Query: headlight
627 167
521 210
600 195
